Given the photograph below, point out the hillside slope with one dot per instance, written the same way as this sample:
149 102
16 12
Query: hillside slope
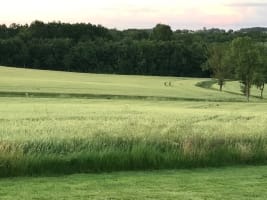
21 82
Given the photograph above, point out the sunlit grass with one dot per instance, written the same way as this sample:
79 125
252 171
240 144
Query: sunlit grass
40 136
37 81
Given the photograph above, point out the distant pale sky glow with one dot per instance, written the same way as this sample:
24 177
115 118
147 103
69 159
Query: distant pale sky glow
123 14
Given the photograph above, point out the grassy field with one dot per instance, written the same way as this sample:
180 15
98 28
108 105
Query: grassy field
79 135
68 135
63 84
56 123
239 183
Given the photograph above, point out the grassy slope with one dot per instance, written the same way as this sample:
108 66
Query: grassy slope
36 81
224 183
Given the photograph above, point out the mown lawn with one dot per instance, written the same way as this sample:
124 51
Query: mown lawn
49 83
222 183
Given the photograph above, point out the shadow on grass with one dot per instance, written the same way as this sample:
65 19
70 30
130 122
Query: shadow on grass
107 96
208 85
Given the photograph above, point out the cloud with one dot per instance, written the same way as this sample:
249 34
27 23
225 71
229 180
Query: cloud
248 4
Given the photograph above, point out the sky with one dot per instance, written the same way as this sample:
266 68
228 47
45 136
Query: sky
124 14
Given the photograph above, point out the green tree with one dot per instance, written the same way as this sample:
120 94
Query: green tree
245 56
217 62
260 77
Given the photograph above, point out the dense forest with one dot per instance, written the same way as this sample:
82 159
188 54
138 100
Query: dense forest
90 48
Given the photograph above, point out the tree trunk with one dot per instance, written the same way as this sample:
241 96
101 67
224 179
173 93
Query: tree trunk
262 89
220 82
247 89
221 87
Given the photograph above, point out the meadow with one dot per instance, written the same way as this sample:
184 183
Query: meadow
132 123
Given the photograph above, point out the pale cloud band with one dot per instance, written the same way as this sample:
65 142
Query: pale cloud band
248 4
122 14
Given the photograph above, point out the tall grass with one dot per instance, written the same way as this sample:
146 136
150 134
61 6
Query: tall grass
61 136
114 153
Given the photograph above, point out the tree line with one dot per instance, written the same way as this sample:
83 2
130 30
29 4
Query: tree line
85 47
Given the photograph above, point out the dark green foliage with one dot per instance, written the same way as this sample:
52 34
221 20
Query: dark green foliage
90 48
162 32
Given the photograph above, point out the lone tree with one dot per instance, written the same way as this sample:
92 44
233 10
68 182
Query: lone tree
245 55
260 77
217 62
